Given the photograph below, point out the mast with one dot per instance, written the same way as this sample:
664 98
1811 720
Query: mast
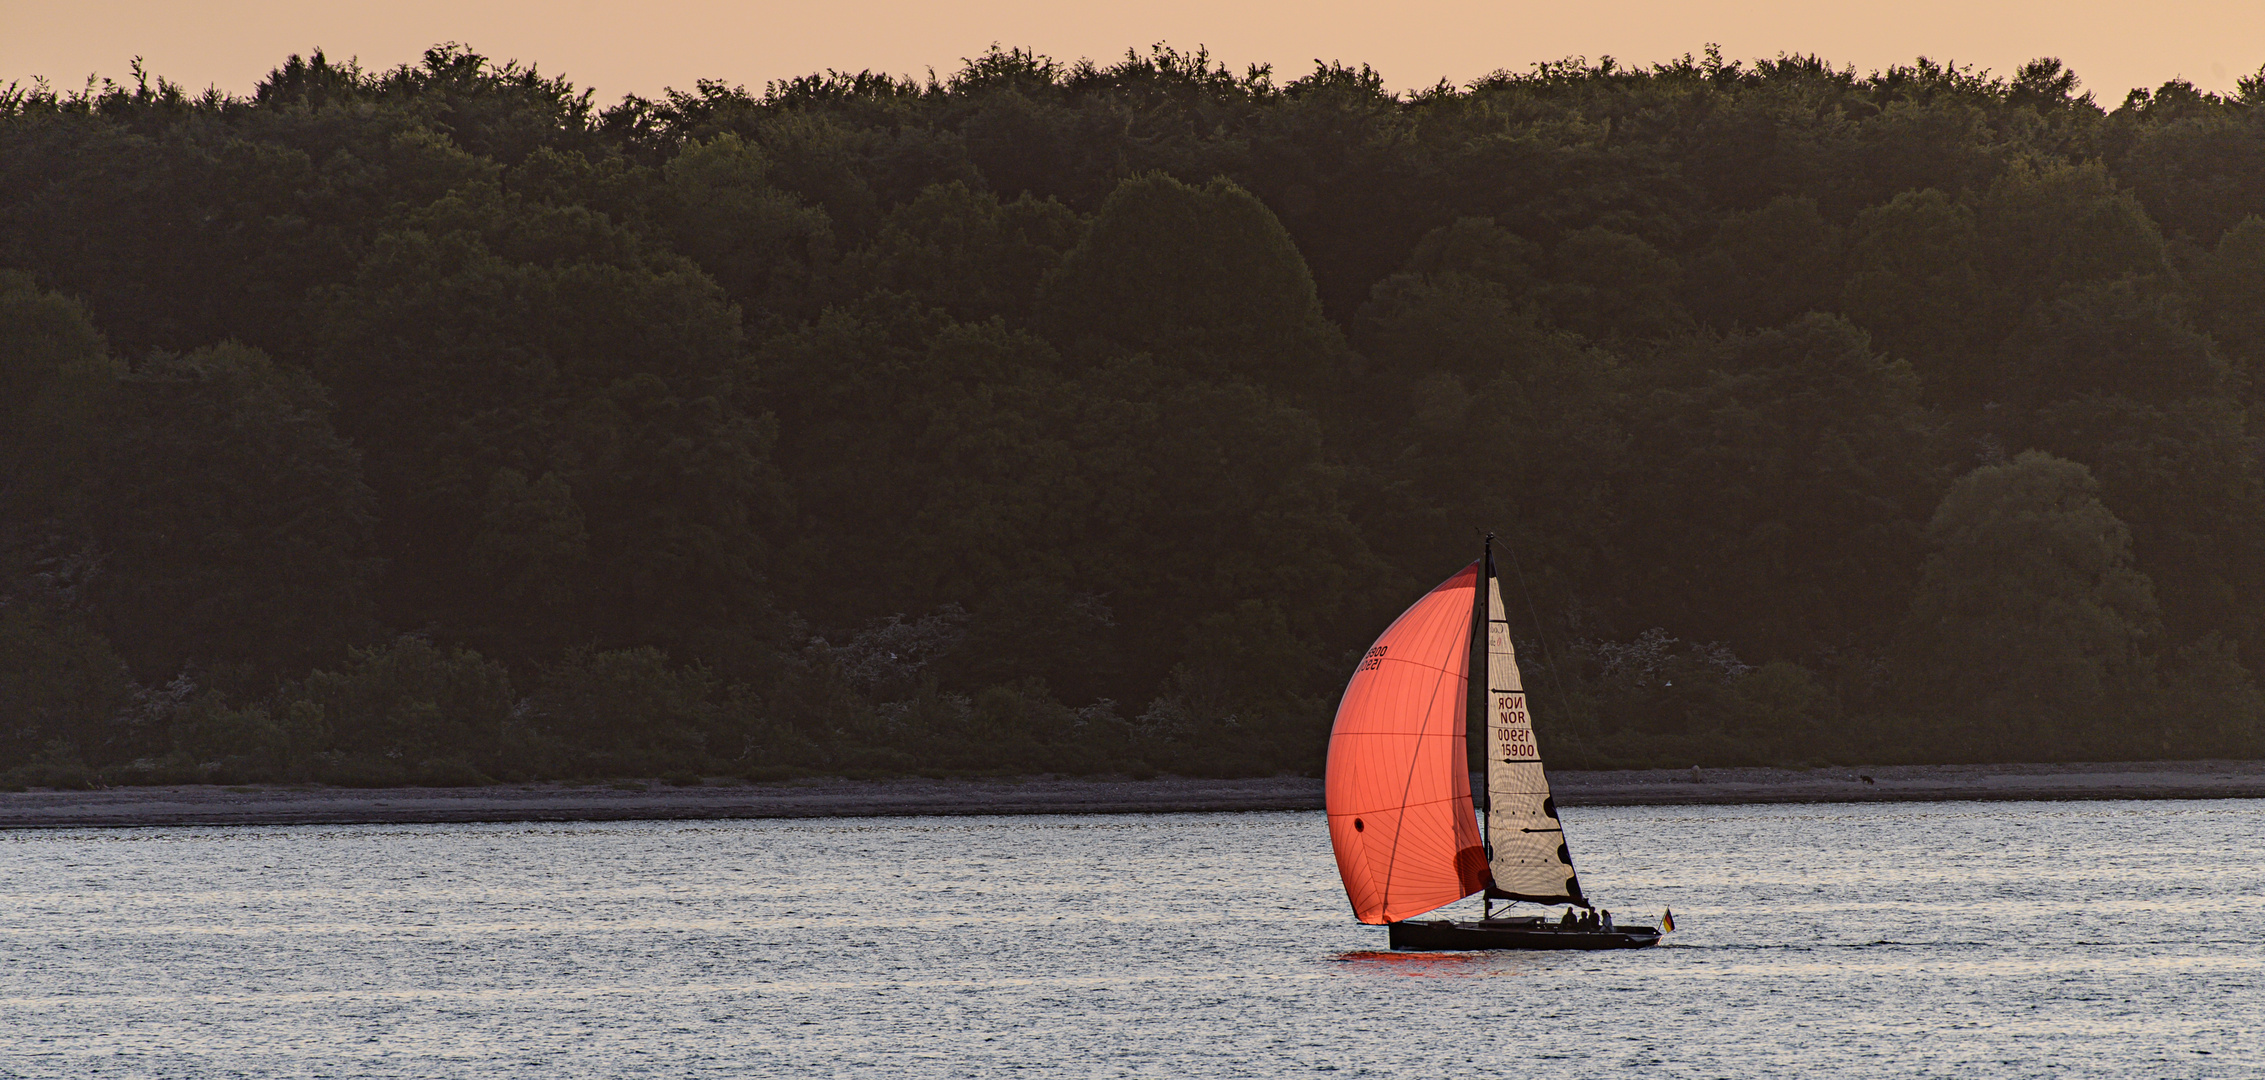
1478 711
1478 695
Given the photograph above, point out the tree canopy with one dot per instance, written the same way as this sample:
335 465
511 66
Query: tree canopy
442 423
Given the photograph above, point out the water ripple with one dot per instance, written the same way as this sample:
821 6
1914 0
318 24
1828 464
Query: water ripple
1963 941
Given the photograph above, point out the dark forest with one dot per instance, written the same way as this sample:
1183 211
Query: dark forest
440 425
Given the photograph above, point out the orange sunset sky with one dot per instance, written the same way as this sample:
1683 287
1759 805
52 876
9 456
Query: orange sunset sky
641 46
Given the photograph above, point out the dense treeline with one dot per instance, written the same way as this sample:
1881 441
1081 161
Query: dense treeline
435 423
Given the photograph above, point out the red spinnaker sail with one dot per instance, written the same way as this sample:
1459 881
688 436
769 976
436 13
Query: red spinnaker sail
1399 788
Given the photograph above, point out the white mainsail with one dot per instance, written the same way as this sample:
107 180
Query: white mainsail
1526 844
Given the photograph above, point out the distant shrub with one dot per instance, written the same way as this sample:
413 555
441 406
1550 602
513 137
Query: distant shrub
59 680
57 766
411 701
153 772
448 772
360 771
626 711
252 741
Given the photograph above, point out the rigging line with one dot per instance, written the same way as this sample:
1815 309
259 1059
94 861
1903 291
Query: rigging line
1546 654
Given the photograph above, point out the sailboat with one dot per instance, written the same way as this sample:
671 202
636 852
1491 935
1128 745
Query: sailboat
1406 833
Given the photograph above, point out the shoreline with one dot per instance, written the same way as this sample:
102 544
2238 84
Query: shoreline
129 807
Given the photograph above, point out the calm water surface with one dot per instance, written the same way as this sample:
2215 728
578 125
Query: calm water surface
1944 939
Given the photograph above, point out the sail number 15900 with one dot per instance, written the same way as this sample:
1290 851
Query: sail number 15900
1517 732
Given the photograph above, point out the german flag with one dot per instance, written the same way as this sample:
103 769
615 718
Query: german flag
1667 921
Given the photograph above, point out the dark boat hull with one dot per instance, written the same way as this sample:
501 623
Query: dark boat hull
1444 934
